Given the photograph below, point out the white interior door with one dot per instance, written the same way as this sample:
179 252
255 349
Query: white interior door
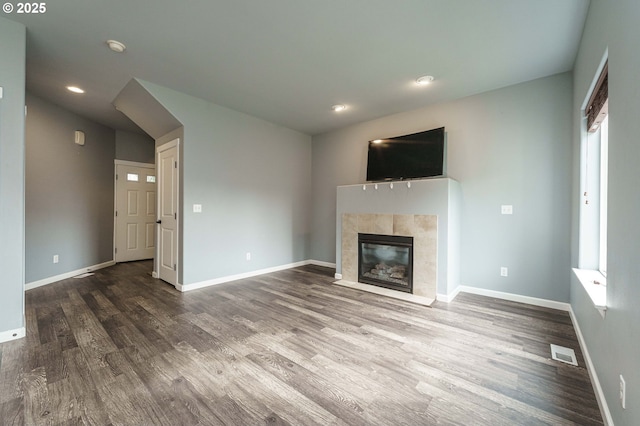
167 163
135 211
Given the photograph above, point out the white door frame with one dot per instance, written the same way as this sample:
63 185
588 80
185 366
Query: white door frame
156 264
117 163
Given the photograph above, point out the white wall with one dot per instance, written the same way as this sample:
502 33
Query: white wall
508 146
12 80
614 342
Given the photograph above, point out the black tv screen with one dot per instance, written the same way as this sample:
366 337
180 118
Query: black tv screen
414 156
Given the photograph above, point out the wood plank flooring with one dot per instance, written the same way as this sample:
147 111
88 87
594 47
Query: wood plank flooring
288 348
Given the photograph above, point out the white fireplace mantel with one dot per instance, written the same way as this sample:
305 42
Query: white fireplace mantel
440 197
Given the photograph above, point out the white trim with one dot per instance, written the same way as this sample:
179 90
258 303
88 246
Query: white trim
545 303
71 274
8 335
134 164
321 263
597 388
400 295
337 276
448 298
154 274
392 182
115 207
596 292
228 278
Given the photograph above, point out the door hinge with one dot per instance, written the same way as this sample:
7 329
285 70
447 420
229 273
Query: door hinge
175 216
116 213
175 267
116 176
175 164
116 250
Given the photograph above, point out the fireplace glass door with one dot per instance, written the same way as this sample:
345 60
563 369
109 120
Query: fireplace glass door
386 261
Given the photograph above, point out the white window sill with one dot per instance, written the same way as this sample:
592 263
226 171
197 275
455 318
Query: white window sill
596 286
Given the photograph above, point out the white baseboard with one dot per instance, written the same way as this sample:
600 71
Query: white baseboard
221 280
71 274
597 388
545 303
321 263
337 276
448 298
8 335
154 274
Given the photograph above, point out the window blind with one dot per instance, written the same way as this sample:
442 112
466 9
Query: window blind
598 105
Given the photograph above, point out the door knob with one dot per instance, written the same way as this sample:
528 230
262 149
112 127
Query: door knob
159 221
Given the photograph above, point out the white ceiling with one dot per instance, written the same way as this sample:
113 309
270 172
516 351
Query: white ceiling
288 61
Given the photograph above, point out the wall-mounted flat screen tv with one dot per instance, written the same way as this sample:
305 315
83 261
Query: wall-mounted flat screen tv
419 155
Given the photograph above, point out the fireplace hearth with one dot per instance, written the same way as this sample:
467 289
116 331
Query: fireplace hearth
386 261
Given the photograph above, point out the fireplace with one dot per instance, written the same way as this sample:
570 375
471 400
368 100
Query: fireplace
386 261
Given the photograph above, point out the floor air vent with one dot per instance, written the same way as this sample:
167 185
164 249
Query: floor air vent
562 354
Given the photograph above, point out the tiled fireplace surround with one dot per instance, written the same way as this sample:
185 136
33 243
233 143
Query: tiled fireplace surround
423 229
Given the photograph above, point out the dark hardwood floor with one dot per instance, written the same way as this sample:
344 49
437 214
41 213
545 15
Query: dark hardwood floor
287 348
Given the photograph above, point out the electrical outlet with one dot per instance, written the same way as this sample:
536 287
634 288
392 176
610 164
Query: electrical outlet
623 392
504 271
56 259
248 256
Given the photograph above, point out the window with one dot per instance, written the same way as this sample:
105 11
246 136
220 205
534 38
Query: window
132 177
151 179
594 160
604 183
593 212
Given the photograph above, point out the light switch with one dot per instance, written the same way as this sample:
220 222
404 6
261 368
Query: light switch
507 209
197 208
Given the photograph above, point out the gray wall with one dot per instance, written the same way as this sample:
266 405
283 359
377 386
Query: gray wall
69 191
253 179
509 146
135 147
614 342
12 79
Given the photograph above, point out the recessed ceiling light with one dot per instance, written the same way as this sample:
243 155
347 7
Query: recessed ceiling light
424 80
116 46
338 108
75 89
